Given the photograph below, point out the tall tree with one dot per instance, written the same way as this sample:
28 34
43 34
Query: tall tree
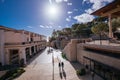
115 23
100 28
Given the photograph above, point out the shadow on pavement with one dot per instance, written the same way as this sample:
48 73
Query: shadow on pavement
60 73
35 56
76 65
64 73
87 76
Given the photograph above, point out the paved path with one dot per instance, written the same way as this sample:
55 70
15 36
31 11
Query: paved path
41 68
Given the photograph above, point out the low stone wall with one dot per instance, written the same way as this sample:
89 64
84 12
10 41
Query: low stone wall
70 50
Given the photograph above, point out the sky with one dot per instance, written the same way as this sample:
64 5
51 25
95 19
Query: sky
43 16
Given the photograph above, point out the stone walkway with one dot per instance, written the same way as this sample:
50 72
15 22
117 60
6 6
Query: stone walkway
42 68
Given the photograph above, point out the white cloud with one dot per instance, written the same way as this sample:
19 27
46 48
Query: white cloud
29 26
42 26
65 0
59 26
59 1
51 23
75 9
69 12
48 27
70 4
89 11
97 4
67 19
83 18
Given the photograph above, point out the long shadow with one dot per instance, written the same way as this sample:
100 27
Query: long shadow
35 56
64 73
76 65
60 72
53 65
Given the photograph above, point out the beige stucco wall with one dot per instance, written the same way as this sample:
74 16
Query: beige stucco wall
75 50
11 37
111 61
71 49
67 51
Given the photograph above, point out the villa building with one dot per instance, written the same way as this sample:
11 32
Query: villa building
102 60
110 11
17 45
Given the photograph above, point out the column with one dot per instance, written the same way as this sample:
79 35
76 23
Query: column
29 37
23 36
30 51
7 56
2 41
34 49
23 54
110 26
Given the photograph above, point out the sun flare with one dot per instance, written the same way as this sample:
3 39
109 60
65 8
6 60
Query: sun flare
52 11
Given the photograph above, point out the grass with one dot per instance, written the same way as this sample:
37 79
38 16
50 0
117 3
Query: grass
12 73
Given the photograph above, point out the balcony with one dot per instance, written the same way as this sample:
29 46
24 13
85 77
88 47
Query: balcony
112 51
24 43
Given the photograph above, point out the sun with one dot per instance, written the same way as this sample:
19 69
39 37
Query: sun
52 11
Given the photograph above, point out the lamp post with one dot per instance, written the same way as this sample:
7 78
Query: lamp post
93 75
53 63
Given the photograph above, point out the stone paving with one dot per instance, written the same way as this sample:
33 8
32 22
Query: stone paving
42 68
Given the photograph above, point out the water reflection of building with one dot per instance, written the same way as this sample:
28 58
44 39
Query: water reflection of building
19 44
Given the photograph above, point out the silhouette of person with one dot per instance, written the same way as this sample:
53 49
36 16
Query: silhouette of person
62 65
59 65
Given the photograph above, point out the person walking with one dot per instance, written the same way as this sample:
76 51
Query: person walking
59 65
62 65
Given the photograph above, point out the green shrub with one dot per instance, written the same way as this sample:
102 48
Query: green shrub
11 74
64 56
81 72
77 72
